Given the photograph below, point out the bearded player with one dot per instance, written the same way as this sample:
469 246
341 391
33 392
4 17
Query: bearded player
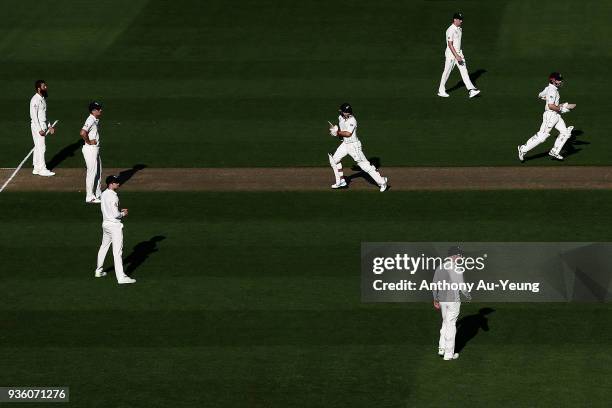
346 130
551 118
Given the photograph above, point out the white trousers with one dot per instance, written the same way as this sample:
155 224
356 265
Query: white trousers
550 120
449 64
112 233
354 149
450 313
94 172
38 158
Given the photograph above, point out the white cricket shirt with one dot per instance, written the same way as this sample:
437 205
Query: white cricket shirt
453 33
110 207
38 112
348 125
91 127
550 94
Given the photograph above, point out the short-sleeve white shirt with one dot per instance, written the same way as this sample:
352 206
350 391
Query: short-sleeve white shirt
348 125
91 127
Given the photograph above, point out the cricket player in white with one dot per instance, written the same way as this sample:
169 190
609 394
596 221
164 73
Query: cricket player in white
38 124
346 129
551 118
454 56
91 152
449 303
112 231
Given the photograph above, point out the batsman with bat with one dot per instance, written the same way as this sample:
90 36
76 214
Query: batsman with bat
551 118
346 130
40 128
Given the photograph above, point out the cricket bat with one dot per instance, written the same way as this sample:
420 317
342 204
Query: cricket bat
50 126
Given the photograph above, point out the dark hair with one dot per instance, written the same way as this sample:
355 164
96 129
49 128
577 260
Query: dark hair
38 83
112 179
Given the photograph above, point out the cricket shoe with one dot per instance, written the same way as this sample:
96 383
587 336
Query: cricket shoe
341 184
440 352
474 92
126 279
443 94
453 357
100 273
93 201
555 155
46 173
35 172
384 186
521 154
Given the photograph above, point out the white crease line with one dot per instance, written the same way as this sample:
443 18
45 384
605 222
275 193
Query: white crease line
16 171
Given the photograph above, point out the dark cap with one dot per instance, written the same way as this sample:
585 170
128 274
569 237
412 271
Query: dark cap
458 15
455 250
95 106
112 179
556 76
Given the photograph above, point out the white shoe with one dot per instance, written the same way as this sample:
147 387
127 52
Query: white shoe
93 201
46 173
99 273
443 94
440 352
341 184
126 279
383 187
555 155
569 129
453 357
521 154
474 92
35 172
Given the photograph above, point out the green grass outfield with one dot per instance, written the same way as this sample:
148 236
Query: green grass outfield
258 305
196 84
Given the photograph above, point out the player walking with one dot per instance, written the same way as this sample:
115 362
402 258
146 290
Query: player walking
551 118
91 152
346 129
454 55
38 124
112 231
449 303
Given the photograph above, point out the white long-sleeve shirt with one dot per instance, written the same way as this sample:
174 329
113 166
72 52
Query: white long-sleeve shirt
38 112
110 207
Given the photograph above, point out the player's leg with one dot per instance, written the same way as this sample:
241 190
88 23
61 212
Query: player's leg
449 64
357 154
35 153
90 155
451 328
442 341
465 76
97 189
564 134
117 237
106 241
335 161
549 120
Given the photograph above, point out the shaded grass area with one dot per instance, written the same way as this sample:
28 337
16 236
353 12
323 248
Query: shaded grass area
252 299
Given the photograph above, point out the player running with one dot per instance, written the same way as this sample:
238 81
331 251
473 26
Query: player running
551 118
346 129
454 55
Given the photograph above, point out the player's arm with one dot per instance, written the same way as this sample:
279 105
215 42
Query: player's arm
344 133
455 53
85 136
36 119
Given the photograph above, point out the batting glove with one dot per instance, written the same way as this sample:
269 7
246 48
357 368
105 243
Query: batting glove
333 131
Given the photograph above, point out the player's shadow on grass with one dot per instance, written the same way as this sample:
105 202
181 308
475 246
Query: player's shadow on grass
125 175
568 150
468 327
473 77
140 253
63 154
374 161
